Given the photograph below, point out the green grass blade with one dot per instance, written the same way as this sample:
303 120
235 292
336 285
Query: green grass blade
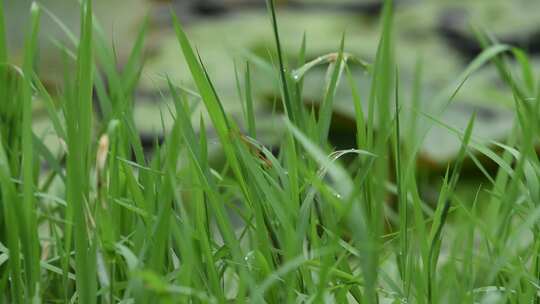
442 212
132 70
9 194
212 103
289 107
526 70
325 113
401 190
79 133
358 111
250 115
29 230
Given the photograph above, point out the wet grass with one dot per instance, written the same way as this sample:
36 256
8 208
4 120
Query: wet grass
100 220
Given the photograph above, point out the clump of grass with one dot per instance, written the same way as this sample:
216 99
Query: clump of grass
101 221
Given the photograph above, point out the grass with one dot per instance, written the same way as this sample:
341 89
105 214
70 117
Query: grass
100 220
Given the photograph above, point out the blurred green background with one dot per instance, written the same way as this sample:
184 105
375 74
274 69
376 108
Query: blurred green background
433 36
